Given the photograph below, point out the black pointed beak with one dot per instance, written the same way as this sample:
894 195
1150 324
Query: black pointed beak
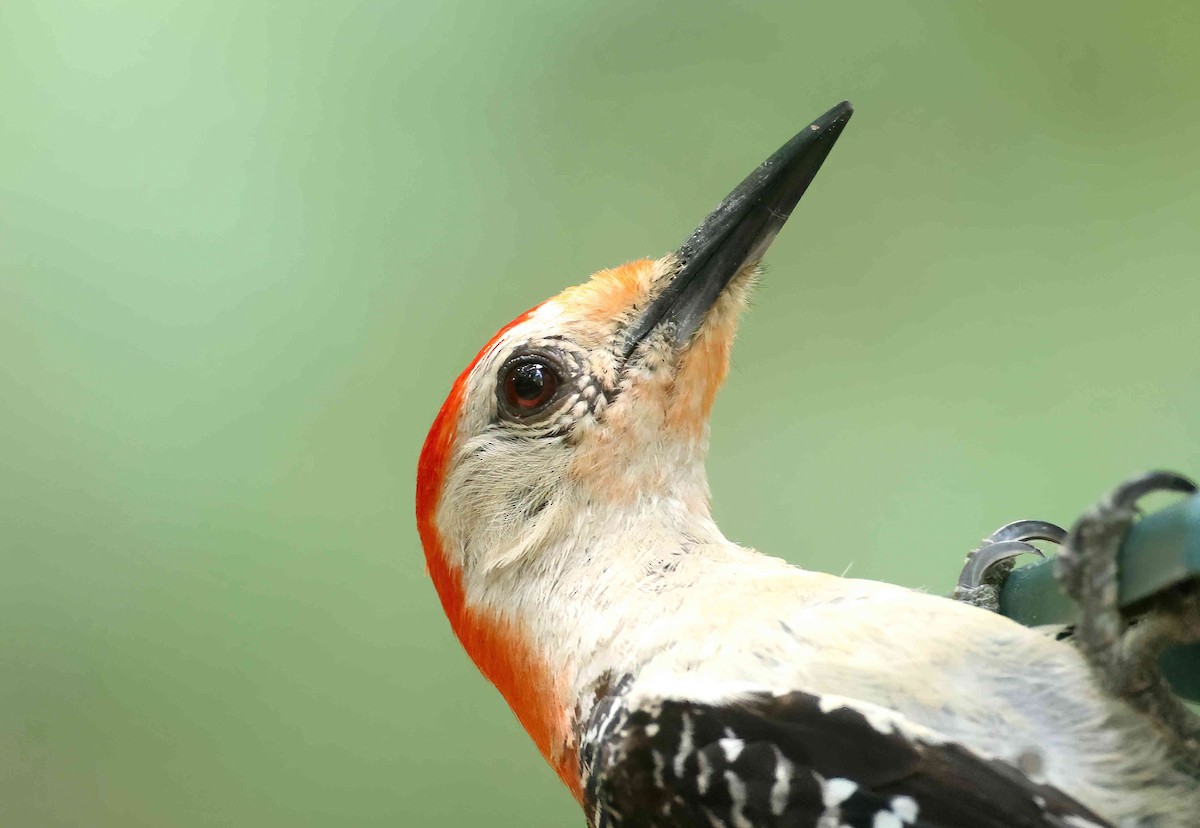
739 231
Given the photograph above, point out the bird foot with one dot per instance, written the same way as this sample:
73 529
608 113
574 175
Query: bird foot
1123 648
988 566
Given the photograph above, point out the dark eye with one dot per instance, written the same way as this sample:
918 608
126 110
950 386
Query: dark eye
529 385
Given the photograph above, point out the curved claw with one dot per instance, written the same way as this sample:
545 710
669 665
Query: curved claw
987 556
1027 530
1130 492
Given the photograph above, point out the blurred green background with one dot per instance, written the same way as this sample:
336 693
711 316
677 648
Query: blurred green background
246 246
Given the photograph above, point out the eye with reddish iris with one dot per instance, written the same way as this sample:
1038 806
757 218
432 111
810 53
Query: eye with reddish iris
530 385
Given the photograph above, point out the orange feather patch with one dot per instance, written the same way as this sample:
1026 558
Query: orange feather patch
610 293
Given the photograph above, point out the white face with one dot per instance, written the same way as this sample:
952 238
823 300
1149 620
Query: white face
556 422
564 475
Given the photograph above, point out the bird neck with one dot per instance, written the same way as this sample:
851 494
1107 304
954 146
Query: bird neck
550 629
585 603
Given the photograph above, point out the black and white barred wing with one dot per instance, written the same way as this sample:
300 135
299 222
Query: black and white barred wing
798 761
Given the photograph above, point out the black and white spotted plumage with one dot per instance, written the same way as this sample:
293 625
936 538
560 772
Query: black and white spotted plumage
797 761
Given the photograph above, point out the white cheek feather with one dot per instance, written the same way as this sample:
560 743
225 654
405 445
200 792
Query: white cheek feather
503 502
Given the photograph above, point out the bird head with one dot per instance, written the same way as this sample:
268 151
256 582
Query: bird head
589 409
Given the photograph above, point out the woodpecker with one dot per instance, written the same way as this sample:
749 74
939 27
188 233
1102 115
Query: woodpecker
673 678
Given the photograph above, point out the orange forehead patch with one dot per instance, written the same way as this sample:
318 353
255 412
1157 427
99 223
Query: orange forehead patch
610 293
